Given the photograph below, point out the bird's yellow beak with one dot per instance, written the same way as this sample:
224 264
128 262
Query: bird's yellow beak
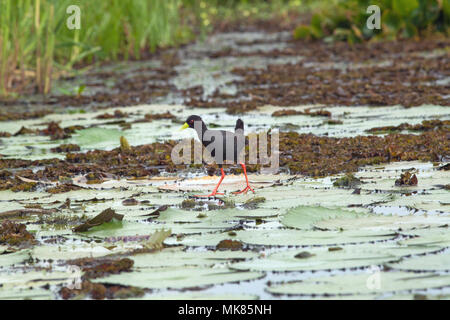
185 125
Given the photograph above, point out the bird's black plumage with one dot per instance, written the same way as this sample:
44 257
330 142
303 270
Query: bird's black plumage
222 145
234 141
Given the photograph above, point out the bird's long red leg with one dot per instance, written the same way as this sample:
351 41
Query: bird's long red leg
214 192
246 180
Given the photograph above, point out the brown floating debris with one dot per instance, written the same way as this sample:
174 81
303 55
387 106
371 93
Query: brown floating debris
94 177
229 245
307 112
188 204
426 125
117 115
304 255
8 116
158 116
130 202
347 181
100 291
55 132
12 233
63 187
104 217
66 148
97 268
333 121
19 213
253 202
407 179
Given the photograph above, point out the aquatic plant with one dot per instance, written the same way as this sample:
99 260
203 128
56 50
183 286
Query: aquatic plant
346 20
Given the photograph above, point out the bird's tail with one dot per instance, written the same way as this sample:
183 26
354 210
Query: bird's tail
239 125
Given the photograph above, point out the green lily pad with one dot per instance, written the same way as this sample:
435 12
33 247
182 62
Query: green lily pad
26 293
99 138
290 237
9 259
177 257
72 251
323 258
305 217
383 223
34 279
179 277
362 283
431 262
320 259
200 296
429 237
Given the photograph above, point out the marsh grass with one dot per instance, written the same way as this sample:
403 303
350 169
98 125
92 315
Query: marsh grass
36 45
35 40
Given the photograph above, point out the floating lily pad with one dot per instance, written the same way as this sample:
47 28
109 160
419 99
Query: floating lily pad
9 259
431 262
362 283
382 223
26 293
171 257
305 217
323 258
72 251
200 296
33 279
98 138
230 183
429 237
180 277
319 259
289 237
316 194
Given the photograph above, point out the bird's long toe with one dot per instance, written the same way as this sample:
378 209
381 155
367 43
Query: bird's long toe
245 190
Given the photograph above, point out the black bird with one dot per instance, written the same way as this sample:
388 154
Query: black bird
235 142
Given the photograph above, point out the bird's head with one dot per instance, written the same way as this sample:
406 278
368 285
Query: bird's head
190 122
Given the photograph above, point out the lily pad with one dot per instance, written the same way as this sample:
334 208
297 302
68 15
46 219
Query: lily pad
323 258
201 296
289 237
180 277
9 259
362 283
431 262
383 223
177 257
319 259
305 217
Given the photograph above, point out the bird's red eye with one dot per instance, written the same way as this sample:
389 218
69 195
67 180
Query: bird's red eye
192 121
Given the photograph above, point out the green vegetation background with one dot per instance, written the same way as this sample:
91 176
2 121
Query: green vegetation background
36 45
